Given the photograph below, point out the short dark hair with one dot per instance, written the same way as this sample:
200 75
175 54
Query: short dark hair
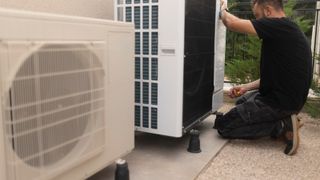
277 4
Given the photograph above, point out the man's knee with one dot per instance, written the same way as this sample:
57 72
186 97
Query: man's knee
225 133
221 122
228 120
228 123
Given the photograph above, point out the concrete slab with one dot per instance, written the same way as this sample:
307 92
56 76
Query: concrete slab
158 157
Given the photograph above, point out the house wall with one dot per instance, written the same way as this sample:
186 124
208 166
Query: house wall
86 8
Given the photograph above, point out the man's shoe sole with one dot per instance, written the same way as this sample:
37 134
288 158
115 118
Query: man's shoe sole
295 140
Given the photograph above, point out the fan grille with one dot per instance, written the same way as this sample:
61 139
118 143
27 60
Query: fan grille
55 102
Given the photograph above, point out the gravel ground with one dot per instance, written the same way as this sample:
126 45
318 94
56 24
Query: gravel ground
264 158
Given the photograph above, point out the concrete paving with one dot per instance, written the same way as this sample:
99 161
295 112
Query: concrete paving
158 157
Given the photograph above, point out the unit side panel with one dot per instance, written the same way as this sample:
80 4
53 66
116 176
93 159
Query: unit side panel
220 49
171 51
220 46
199 59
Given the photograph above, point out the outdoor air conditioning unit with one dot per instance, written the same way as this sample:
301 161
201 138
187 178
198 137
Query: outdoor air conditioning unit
66 95
179 62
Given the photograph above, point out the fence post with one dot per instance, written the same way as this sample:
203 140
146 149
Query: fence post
316 45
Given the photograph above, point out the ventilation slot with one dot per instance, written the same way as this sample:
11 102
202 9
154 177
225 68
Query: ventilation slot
145 17
145 68
145 117
137 115
154 94
155 17
146 43
137 44
146 93
137 92
137 17
128 14
137 68
154 69
154 118
154 43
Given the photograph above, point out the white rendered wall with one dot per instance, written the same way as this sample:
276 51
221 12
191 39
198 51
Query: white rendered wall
87 8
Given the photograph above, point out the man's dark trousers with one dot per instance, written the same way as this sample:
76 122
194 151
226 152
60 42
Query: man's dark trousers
251 119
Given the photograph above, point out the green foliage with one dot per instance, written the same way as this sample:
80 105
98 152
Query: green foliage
289 8
252 48
241 72
304 23
312 107
315 86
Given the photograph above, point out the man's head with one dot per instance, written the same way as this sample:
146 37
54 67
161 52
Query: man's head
267 8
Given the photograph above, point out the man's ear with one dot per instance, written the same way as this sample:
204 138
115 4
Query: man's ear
267 10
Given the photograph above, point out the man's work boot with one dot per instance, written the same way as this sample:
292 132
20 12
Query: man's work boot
291 132
278 134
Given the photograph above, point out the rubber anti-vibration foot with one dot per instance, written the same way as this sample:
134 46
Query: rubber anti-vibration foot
194 143
122 170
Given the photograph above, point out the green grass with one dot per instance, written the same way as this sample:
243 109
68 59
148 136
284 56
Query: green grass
312 107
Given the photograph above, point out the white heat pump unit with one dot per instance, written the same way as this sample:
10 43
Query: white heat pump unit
179 62
66 95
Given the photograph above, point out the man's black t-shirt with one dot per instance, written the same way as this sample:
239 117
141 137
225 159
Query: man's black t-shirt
285 68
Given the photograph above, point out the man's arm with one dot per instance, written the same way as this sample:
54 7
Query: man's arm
252 86
234 23
242 89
